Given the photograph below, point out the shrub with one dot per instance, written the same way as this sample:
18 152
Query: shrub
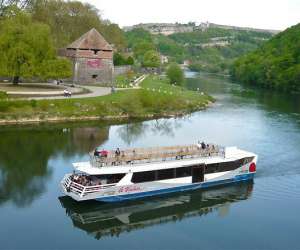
130 60
175 74
119 59
33 103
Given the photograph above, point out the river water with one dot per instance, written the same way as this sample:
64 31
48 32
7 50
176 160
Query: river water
263 214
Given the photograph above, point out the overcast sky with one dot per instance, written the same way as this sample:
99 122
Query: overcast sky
271 14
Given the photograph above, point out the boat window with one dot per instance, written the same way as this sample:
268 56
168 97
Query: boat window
212 168
162 174
222 166
143 176
183 172
110 178
226 166
165 174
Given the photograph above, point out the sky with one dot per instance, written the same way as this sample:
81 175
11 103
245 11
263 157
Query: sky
269 14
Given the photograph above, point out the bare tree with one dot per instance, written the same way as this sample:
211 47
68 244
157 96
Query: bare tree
22 4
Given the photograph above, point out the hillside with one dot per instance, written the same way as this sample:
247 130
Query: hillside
172 28
211 49
275 65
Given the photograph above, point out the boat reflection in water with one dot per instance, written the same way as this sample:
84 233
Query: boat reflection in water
112 219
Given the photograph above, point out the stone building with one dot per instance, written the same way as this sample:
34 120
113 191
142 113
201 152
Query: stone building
92 58
162 28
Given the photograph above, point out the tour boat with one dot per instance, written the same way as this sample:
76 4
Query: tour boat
112 176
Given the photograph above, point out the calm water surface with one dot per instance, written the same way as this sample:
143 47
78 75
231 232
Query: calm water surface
263 214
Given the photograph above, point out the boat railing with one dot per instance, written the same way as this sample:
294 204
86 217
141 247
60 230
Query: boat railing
82 190
139 156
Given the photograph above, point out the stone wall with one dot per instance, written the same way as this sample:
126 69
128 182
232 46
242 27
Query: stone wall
119 70
94 71
91 66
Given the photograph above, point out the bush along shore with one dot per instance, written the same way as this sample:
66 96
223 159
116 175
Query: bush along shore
155 98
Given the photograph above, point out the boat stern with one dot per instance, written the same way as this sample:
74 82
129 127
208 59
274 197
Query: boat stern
70 188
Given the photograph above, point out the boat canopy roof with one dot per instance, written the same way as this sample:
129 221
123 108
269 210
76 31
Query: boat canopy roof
90 169
154 154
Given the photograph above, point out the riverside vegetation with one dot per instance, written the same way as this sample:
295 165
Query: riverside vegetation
274 65
155 98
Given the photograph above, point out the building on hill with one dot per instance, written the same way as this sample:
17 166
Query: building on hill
164 59
171 28
162 28
92 58
206 25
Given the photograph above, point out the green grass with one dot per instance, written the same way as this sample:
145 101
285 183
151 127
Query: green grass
132 103
124 80
3 95
162 84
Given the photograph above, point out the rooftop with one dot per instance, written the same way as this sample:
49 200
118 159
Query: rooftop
91 40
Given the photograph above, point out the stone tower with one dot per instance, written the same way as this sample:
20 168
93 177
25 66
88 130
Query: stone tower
92 58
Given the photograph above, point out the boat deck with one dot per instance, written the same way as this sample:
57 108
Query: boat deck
155 154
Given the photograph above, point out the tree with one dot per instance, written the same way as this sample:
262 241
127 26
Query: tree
26 49
175 74
6 4
68 20
151 59
130 60
114 34
274 65
55 68
169 47
119 59
138 35
141 48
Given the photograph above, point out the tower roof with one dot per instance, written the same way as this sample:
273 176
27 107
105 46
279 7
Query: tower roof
90 40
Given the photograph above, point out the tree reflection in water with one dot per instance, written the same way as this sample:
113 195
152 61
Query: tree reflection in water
132 132
24 156
100 219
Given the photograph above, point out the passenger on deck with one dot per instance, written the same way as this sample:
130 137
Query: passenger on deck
181 153
118 152
96 152
103 153
203 146
74 177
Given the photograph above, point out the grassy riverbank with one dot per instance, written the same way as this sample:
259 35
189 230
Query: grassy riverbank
155 98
